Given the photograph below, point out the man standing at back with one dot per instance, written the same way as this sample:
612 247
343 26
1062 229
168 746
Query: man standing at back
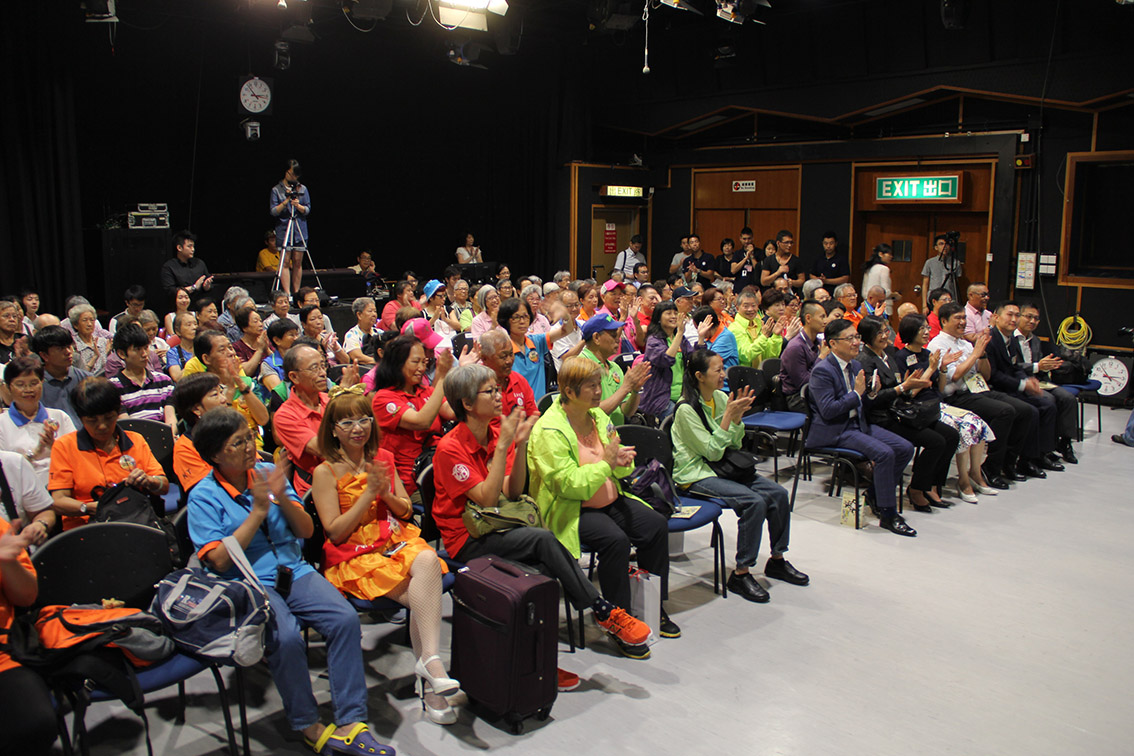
941 271
783 264
185 270
832 268
700 262
629 257
678 261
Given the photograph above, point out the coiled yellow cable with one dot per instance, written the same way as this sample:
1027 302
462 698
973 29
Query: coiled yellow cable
1074 333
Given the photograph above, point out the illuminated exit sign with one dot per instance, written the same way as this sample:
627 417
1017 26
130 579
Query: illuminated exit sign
622 191
918 189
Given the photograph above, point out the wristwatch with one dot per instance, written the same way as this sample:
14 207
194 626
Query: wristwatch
82 507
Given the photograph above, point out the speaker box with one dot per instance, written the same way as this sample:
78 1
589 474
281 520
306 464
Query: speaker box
135 257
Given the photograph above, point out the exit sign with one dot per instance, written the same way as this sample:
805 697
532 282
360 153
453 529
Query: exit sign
918 188
622 191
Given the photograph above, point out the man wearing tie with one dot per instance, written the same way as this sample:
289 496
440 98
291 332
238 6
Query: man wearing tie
836 391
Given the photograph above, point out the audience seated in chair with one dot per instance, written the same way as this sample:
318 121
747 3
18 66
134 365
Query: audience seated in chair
801 352
620 392
254 503
576 463
1038 360
373 548
837 391
666 352
192 397
497 355
485 458
28 426
695 445
144 393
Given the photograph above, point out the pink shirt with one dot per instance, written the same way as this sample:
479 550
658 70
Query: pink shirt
589 453
976 321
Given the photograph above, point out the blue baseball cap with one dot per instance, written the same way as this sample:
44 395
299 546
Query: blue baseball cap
599 323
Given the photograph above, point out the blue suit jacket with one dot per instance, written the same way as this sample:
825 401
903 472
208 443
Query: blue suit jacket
827 393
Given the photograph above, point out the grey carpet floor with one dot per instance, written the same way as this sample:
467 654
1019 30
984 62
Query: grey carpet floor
1003 628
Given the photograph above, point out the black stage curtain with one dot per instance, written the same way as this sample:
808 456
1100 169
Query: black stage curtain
40 223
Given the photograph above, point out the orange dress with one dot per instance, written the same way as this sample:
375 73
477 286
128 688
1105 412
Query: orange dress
373 574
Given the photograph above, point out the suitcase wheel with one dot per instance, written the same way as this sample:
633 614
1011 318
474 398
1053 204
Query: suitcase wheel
543 714
515 725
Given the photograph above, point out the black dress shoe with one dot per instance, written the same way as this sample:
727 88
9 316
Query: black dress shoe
1067 452
1015 476
1051 462
940 503
996 481
1118 438
781 569
1030 469
896 524
746 586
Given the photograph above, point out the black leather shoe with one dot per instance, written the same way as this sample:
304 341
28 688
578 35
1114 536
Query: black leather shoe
747 587
1051 461
940 503
781 569
996 481
1067 452
1118 438
1030 469
896 524
1015 476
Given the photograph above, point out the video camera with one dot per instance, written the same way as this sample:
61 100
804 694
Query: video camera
293 189
953 238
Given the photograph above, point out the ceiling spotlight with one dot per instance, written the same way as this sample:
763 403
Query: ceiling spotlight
681 5
470 14
282 5
465 54
739 11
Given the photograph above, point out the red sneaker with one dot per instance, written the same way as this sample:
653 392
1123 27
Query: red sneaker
567 680
630 630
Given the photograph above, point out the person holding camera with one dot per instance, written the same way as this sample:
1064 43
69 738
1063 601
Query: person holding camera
291 202
942 271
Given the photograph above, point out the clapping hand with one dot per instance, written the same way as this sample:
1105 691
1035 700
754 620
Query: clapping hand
982 342
637 375
617 455
349 376
860 383
15 542
1031 386
509 426
377 479
793 327
470 355
524 429
704 328
1051 362
914 381
767 326
444 365
739 402
949 358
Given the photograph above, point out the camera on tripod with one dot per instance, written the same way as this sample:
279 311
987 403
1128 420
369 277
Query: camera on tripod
953 238
293 189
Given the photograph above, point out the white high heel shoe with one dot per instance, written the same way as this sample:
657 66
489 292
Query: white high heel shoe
969 498
442 686
985 490
445 716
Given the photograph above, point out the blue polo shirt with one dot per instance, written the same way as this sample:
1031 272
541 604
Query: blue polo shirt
57 393
216 510
528 361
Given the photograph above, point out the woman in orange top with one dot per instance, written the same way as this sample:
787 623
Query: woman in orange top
27 717
372 548
193 396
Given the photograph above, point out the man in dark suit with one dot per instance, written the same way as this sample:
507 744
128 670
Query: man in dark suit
836 391
1008 376
1038 358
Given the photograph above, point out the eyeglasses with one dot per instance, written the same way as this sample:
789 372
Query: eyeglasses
787 242
315 369
1030 317
358 422
519 317
494 391
241 443
851 339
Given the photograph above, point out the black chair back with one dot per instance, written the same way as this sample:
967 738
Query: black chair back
545 401
625 360
771 370
335 373
313 547
460 341
667 424
749 377
100 560
429 529
649 443
159 437
180 523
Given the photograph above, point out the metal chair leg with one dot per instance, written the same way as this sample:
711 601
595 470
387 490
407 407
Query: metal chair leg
222 691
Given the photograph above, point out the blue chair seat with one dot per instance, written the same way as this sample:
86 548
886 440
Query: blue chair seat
173 670
778 421
1076 388
709 511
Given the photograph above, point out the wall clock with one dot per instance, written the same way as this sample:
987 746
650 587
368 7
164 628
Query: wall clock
255 96
1114 374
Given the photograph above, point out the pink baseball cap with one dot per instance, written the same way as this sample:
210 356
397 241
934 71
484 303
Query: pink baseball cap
419 327
611 285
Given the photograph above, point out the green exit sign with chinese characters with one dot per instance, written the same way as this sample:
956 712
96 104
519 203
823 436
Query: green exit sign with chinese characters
918 188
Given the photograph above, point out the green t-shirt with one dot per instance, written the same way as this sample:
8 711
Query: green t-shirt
611 381
678 373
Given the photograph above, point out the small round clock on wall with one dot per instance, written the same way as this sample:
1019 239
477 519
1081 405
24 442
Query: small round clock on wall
1114 375
255 96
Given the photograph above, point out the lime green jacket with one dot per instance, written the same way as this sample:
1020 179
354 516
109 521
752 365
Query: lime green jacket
559 483
752 350
693 443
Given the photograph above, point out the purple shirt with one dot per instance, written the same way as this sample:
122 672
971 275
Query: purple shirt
798 358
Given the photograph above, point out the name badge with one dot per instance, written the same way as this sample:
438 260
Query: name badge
911 360
533 356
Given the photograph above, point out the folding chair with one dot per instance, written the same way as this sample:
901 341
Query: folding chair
765 423
123 560
159 437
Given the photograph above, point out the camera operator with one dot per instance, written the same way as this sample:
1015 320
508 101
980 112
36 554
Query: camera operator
290 199
942 271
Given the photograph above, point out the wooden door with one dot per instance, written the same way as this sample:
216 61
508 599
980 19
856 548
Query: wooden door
908 234
714 225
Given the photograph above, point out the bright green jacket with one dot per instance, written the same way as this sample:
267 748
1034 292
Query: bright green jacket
559 483
693 443
752 350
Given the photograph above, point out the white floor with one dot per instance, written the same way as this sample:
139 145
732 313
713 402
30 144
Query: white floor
1003 628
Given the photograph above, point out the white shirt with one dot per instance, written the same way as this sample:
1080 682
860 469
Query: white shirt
563 345
878 275
353 338
946 343
29 495
23 439
630 260
464 256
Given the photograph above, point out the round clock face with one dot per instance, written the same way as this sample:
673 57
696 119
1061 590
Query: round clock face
255 95
1112 374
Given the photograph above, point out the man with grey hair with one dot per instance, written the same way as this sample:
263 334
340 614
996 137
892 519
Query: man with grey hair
366 313
809 287
227 319
566 311
562 278
497 355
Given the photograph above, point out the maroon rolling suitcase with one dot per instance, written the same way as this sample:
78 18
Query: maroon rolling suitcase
505 639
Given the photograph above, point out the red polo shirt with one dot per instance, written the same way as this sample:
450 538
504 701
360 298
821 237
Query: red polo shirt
518 392
295 424
406 445
460 464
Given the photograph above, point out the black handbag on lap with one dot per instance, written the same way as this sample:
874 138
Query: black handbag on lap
913 414
734 464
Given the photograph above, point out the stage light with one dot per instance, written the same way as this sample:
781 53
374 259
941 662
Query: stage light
681 5
739 11
283 56
469 14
